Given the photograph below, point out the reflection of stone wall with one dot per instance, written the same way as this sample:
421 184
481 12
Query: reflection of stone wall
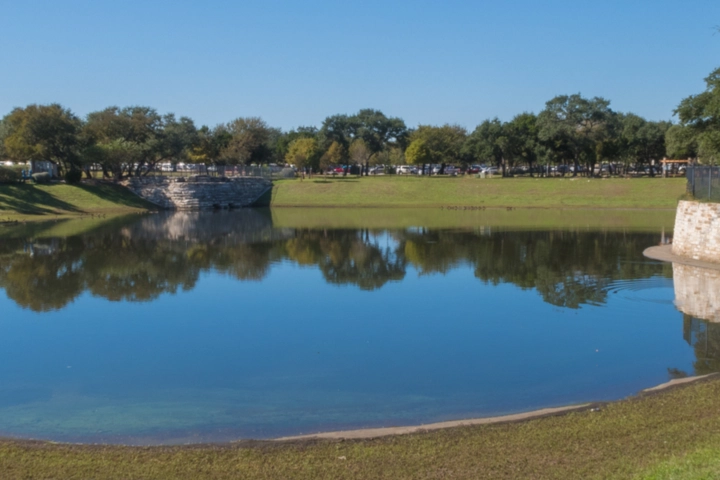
697 231
239 226
697 291
199 193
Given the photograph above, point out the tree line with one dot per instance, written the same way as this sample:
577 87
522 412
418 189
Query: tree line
570 130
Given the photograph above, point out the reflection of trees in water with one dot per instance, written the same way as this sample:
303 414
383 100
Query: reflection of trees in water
347 257
567 268
163 254
704 337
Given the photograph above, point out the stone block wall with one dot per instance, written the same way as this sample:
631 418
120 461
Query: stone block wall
199 192
697 291
697 231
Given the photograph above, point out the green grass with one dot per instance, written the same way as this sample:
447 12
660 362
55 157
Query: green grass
405 191
516 218
673 434
36 202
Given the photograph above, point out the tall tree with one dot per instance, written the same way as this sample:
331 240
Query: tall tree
282 140
43 132
375 129
138 125
418 153
333 156
680 142
579 122
701 114
378 131
303 153
445 143
484 144
250 141
522 131
360 153
642 141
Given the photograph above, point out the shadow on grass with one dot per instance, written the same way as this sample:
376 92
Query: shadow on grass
116 194
28 200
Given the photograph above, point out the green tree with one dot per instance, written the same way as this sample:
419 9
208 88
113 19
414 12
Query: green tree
177 140
373 127
484 144
642 141
303 153
701 114
43 132
141 126
4 132
578 122
282 140
360 153
680 142
249 142
377 132
418 153
335 155
524 143
445 143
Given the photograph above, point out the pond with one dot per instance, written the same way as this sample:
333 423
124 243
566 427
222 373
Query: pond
191 327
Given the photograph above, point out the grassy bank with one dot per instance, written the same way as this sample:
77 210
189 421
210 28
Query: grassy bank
520 218
672 434
40 202
407 191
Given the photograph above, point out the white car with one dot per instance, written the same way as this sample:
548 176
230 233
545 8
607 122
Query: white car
405 170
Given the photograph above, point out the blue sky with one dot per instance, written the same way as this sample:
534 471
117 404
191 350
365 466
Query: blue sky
295 63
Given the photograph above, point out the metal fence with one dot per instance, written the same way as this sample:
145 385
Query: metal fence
265 171
704 182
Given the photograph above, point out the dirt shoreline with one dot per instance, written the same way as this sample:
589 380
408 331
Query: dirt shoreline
368 433
371 433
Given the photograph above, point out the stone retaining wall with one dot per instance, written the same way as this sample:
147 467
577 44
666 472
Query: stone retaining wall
697 231
697 291
199 192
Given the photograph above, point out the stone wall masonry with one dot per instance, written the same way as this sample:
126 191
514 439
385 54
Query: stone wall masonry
199 192
697 291
697 231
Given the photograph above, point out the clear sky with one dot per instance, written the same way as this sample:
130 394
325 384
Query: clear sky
295 63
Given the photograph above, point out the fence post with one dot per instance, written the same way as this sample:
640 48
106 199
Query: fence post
709 183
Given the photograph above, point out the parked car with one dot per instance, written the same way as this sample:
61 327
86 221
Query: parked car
405 170
490 170
377 170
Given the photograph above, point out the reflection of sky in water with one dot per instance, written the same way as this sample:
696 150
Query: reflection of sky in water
293 353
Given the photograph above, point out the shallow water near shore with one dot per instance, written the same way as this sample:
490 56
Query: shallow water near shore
191 327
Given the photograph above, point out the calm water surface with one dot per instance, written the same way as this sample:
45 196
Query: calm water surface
209 327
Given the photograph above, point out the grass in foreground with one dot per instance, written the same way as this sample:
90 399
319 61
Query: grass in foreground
33 202
674 434
405 191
